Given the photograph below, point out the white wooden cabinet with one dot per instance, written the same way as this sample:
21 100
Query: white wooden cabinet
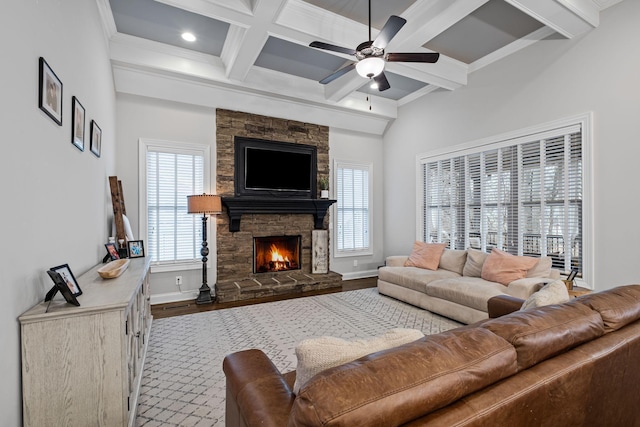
82 366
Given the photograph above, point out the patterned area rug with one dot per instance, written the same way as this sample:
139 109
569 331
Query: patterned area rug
183 383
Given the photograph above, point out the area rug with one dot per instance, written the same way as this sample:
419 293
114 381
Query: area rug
183 383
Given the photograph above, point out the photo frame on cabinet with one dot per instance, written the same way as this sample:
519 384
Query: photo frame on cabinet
136 248
68 278
77 123
96 138
113 251
59 285
49 92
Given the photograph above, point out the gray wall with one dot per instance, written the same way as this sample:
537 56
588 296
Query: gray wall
550 80
56 206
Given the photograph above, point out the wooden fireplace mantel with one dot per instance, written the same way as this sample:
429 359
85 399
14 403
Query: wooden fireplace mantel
238 206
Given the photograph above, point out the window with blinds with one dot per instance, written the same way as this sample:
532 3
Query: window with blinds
522 196
172 172
352 208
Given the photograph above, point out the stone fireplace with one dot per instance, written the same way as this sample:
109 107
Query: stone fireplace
276 253
249 219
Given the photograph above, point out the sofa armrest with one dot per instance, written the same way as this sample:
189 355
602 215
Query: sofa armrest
257 393
524 288
503 304
396 260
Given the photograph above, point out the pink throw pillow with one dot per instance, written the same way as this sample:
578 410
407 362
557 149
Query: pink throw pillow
504 268
425 255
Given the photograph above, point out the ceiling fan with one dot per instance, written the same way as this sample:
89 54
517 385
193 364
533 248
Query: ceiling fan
371 56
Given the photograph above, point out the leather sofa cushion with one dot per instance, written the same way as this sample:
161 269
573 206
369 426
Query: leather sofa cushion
471 292
618 306
453 260
547 331
396 386
413 277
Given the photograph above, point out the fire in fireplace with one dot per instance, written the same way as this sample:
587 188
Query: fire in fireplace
276 253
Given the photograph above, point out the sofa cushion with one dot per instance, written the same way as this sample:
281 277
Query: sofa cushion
453 260
618 306
471 292
474 262
425 255
396 386
544 332
551 293
413 277
502 267
317 354
541 269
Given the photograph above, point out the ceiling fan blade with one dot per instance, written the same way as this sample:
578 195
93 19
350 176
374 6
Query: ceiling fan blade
340 72
381 80
390 29
327 46
413 57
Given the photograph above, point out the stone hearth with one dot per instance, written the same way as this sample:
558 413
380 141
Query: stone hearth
235 277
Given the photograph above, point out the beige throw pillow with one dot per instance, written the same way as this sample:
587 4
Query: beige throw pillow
453 260
474 263
317 354
542 268
425 255
551 293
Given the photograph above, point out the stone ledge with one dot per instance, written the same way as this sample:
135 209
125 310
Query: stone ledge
275 284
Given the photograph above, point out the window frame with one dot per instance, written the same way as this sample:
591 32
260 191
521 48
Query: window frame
585 121
341 164
148 144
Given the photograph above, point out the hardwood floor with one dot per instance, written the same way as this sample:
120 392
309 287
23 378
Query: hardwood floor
180 308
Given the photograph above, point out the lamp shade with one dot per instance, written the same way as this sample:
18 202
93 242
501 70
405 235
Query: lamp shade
204 204
370 67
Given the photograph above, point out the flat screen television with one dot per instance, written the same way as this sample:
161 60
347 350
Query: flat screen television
274 169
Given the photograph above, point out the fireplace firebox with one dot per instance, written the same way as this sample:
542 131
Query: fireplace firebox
276 253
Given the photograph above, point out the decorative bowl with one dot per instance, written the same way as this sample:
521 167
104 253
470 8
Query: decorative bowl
113 269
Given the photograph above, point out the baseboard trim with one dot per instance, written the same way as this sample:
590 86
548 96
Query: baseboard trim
359 274
173 297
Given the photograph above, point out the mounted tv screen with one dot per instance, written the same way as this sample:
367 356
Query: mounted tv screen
274 169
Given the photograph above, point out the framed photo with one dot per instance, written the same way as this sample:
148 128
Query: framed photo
113 251
96 138
59 285
77 126
572 275
69 279
50 92
136 248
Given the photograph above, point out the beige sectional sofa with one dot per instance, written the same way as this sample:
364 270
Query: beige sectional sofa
456 289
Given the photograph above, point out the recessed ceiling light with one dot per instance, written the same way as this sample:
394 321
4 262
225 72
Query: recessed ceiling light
188 37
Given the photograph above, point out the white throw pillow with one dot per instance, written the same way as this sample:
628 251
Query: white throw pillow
317 354
551 293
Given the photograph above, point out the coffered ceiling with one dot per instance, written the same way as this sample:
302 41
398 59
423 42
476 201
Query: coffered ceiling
262 46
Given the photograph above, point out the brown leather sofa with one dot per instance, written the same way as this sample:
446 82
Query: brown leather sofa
572 364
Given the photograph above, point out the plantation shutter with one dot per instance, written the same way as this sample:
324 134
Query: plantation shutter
352 194
173 234
522 196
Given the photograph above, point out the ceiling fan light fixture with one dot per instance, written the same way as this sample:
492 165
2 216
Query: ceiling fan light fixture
370 67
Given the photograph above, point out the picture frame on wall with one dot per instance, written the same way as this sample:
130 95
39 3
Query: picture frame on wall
49 92
96 138
136 248
69 279
77 127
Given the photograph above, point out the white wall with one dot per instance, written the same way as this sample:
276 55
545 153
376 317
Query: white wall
550 80
360 148
141 117
55 199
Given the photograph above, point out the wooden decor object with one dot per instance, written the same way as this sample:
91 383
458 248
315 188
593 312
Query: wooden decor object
117 199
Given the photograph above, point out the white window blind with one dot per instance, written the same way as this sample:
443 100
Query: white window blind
352 194
522 196
172 171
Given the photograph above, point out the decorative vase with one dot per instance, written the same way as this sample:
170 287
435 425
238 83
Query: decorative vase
324 194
